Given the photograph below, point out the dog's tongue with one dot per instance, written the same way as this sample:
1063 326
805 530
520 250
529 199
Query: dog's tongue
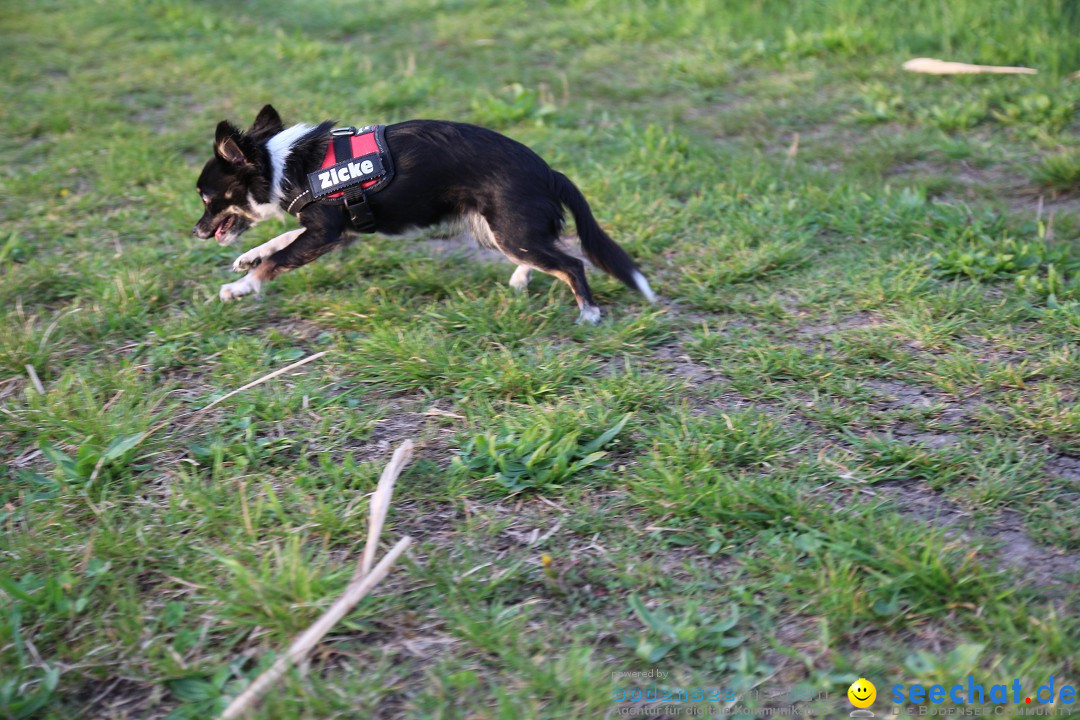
223 228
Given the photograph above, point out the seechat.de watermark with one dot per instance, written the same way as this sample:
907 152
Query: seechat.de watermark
648 693
973 692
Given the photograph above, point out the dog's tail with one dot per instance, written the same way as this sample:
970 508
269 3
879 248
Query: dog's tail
601 250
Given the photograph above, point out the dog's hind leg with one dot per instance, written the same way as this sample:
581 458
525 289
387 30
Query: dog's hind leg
256 255
533 242
550 259
520 279
572 272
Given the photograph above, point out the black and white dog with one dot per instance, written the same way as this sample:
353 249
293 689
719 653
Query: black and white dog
507 196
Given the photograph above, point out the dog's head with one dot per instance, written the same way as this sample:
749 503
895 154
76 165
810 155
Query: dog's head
234 185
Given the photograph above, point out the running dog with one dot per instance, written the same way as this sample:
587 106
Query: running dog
392 179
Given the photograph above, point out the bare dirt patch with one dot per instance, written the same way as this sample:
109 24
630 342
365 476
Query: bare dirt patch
853 322
1066 467
971 182
923 502
679 364
1044 203
408 419
896 394
933 441
1037 564
299 328
986 351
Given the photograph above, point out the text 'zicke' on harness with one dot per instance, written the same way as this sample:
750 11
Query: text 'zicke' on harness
357 164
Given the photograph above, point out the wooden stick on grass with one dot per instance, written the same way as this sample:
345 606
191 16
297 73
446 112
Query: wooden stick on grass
303 644
933 66
380 505
363 581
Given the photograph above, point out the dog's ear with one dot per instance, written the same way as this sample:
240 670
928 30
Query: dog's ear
267 124
227 143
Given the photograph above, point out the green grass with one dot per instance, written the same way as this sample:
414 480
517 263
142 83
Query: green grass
1060 171
843 445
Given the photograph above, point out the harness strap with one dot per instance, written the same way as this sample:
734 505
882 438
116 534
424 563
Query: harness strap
355 197
342 147
359 210
292 204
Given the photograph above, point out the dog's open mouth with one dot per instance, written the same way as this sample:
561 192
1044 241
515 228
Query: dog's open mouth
223 230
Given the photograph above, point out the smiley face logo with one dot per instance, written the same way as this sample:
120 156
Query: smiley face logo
862 693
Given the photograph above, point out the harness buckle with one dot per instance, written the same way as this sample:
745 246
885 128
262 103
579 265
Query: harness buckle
348 130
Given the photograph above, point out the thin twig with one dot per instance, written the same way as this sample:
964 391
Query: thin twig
35 379
355 592
194 416
380 505
261 380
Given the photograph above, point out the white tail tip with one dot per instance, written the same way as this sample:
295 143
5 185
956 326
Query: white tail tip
643 287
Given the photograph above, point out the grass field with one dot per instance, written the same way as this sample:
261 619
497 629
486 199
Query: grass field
845 443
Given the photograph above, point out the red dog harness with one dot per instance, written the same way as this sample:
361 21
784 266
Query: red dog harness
357 163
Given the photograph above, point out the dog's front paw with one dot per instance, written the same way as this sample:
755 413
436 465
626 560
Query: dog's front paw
247 261
246 285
